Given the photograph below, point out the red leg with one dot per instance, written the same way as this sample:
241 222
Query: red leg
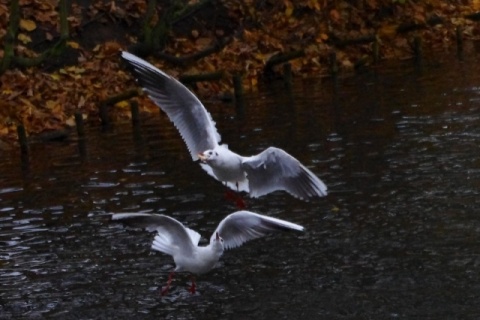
194 286
240 203
169 281
235 198
230 195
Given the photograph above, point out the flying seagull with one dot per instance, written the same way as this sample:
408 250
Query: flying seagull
272 169
181 243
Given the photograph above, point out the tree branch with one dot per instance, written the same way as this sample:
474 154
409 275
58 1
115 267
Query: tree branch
279 58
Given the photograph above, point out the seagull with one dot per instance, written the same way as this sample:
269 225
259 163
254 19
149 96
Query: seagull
271 170
175 239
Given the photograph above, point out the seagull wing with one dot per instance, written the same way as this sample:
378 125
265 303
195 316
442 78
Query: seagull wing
182 107
172 237
242 226
274 169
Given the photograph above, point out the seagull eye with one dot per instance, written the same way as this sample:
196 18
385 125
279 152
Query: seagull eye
216 153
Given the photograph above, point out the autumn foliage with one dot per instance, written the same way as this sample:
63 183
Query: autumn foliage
89 70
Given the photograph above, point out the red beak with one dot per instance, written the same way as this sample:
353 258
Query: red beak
201 157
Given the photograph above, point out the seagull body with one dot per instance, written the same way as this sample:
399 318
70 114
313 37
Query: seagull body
270 170
181 242
225 166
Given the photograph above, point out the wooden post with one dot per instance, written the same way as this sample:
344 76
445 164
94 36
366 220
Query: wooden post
135 113
137 134
24 151
333 63
287 76
103 114
376 50
79 123
459 34
288 81
107 103
417 49
238 89
82 145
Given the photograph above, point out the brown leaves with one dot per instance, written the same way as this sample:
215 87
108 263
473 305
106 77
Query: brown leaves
44 101
48 100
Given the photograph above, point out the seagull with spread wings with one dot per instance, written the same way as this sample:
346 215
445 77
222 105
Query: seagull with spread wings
174 239
271 170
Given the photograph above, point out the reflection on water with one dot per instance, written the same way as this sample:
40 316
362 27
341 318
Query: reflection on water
397 237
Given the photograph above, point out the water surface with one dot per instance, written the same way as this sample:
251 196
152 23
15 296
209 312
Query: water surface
397 237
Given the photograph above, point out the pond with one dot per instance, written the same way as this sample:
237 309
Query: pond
397 236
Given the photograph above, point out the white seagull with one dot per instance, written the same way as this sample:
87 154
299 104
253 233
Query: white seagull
271 170
174 239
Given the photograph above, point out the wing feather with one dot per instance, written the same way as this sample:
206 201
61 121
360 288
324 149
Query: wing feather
172 235
242 226
274 169
182 107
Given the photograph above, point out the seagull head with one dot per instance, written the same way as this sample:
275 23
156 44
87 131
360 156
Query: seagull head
217 243
208 156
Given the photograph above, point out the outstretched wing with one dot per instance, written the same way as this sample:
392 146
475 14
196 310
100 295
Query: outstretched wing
274 169
172 237
242 226
182 107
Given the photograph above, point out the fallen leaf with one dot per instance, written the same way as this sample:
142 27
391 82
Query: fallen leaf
111 48
75 69
334 15
27 25
55 76
388 31
24 38
203 42
122 104
314 4
73 44
81 102
70 121
50 104
289 8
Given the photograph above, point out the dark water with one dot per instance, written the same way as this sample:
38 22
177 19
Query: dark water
397 237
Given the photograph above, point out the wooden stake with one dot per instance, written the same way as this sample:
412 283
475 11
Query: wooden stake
79 123
238 88
135 113
287 76
459 34
24 151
